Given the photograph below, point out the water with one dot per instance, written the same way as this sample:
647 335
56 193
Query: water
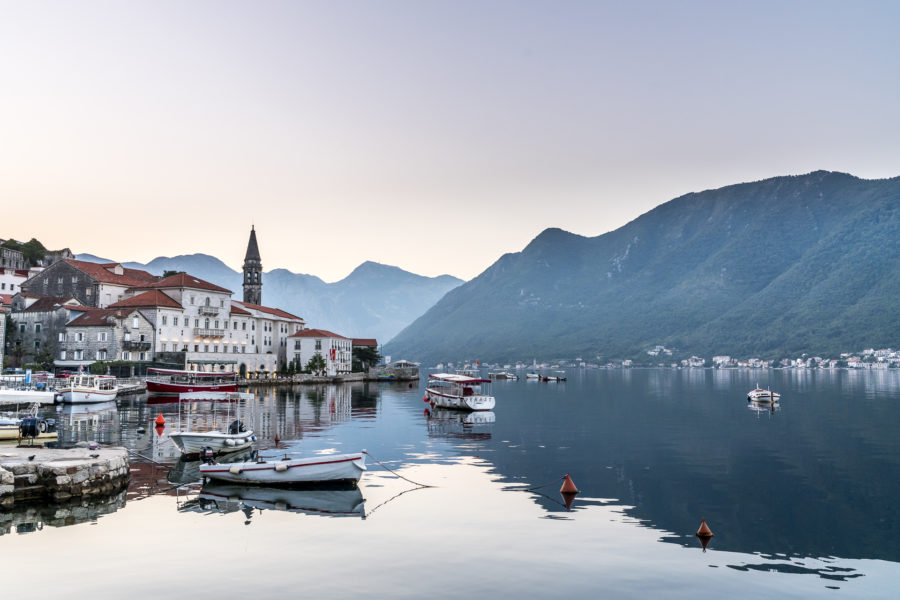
803 500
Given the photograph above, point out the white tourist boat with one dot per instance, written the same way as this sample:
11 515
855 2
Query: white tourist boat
760 395
462 392
88 388
219 440
290 471
532 375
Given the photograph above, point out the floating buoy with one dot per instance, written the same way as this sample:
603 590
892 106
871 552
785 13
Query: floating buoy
704 531
568 486
160 420
425 399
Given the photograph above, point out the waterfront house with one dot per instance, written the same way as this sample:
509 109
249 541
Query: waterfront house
337 350
39 323
106 334
92 284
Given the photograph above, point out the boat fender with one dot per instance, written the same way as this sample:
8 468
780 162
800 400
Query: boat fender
235 470
229 442
43 426
252 438
281 467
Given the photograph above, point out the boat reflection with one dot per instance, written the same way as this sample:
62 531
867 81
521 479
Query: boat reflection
98 422
188 471
455 424
763 407
344 500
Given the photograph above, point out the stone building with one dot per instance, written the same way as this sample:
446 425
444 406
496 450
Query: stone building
106 334
11 258
337 350
39 324
92 284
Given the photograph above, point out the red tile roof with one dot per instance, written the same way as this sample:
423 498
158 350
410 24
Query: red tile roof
153 298
104 273
237 310
47 303
365 342
6 299
317 333
272 311
183 280
99 317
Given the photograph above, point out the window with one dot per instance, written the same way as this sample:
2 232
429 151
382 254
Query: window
126 355
37 327
206 302
61 337
101 336
101 354
196 347
62 355
22 328
164 319
217 324
87 292
74 279
79 337
37 344
197 323
221 303
59 280
142 337
206 347
175 321
318 344
206 323
192 299
78 355
297 345
143 356
244 326
135 323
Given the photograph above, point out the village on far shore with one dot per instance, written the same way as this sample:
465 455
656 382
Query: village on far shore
71 315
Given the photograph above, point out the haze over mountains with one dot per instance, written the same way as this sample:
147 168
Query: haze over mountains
374 300
772 268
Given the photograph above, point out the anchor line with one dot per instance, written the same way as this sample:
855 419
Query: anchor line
395 473
537 487
392 498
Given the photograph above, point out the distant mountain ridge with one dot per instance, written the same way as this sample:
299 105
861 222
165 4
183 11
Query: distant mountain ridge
374 300
793 264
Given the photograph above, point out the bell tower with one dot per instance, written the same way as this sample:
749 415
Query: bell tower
252 271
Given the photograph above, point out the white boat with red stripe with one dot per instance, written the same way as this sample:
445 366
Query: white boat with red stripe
290 471
460 392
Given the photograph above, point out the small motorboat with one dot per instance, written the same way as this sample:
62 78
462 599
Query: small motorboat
217 439
88 388
760 395
289 471
458 391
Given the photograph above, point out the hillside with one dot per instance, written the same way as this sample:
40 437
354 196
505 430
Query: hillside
375 300
791 264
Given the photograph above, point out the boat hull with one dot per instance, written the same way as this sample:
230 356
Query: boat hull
459 402
338 467
191 442
87 396
159 387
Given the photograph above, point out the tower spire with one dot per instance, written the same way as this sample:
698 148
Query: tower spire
252 271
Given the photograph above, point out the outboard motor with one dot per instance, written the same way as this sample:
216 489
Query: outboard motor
30 427
236 427
207 456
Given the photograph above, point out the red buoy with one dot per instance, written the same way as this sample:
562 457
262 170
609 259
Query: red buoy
568 486
160 420
425 399
704 531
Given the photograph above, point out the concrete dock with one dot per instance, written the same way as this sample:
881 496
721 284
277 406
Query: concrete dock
57 475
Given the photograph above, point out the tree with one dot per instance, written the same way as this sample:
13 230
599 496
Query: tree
170 273
366 356
316 364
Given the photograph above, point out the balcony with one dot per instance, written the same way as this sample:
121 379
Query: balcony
208 311
139 346
203 332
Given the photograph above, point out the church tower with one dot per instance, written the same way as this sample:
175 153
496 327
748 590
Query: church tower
252 271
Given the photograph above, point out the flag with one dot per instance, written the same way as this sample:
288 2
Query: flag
477 363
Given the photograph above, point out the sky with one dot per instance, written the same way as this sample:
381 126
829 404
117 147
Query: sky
434 136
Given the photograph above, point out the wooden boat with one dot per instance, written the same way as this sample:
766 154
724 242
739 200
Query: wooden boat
289 471
233 438
462 392
88 388
173 381
760 395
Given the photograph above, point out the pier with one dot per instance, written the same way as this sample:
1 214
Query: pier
56 475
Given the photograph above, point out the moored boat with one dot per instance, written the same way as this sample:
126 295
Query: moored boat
88 388
290 471
760 395
233 438
462 392
173 381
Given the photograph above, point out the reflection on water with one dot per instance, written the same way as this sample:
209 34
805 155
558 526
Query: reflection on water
331 501
652 451
33 518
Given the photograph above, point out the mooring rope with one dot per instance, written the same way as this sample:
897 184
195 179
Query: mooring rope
366 452
537 487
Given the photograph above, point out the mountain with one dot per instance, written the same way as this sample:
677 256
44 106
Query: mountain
772 268
375 300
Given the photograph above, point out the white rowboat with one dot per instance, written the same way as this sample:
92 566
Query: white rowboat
290 471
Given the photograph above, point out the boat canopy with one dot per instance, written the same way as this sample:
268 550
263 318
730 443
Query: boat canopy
454 378
193 373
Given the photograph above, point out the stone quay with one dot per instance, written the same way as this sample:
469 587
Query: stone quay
57 475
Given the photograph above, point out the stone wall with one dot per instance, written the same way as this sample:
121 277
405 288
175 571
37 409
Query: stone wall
29 474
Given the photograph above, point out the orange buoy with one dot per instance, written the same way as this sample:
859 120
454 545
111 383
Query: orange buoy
568 486
704 531
160 420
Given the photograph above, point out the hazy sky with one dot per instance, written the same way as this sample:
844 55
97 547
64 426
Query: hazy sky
434 136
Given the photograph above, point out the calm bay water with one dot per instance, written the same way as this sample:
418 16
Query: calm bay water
803 500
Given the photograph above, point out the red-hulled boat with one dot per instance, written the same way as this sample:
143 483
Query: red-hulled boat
173 381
